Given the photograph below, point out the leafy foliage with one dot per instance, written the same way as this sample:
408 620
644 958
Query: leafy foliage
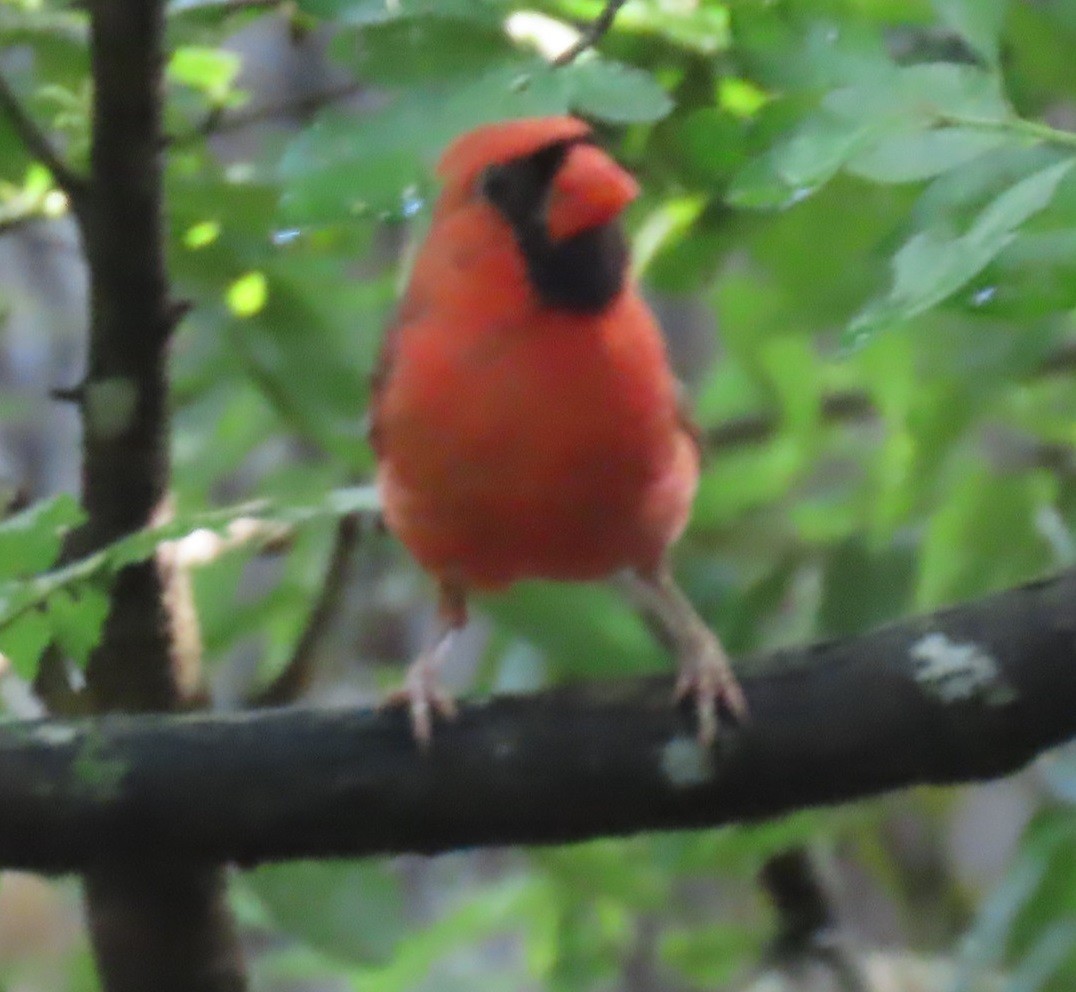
872 205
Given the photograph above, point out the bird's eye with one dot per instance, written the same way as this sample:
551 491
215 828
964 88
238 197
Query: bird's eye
492 181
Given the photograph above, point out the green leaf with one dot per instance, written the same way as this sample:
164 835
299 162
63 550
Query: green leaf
935 263
815 153
24 641
330 9
366 12
928 92
579 627
1039 968
1048 850
615 93
958 194
201 234
211 71
710 956
928 268
885 126
984 537
339 167
915 155
705 28
242 525
57 37
1021 201
351 910
978 22
952 89
315 392
424 51
30 540
747 478
76 617
710 144
863 587
247 295
759 185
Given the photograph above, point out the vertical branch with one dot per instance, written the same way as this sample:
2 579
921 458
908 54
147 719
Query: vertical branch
124 399
155 925
808 928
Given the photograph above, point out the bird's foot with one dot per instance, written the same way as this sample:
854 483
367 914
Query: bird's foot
424 696
706 676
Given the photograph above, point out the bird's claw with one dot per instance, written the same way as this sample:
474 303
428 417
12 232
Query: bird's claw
707 676
424 696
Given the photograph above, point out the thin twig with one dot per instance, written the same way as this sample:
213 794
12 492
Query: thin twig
1035 130
592 34
38 144
295 677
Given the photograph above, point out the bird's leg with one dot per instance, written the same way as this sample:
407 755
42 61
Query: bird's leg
422 691
704 670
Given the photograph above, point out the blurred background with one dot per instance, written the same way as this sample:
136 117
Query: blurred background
859 229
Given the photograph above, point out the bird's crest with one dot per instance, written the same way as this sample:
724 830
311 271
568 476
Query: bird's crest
498 143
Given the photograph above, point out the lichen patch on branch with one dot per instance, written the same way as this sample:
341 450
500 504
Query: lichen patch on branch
110 407
957 672
686 763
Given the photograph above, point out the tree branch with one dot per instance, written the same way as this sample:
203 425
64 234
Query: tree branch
592 34
967 693
39 145
809 931
163 924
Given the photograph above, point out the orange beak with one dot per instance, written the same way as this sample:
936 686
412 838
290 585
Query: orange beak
589 190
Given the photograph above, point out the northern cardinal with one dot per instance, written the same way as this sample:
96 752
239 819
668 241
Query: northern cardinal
524 417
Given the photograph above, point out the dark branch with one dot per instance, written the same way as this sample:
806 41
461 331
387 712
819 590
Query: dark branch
592 34
125 411
968 693
164 924
39 145
808 928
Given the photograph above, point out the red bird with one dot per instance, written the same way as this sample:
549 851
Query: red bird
524 417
